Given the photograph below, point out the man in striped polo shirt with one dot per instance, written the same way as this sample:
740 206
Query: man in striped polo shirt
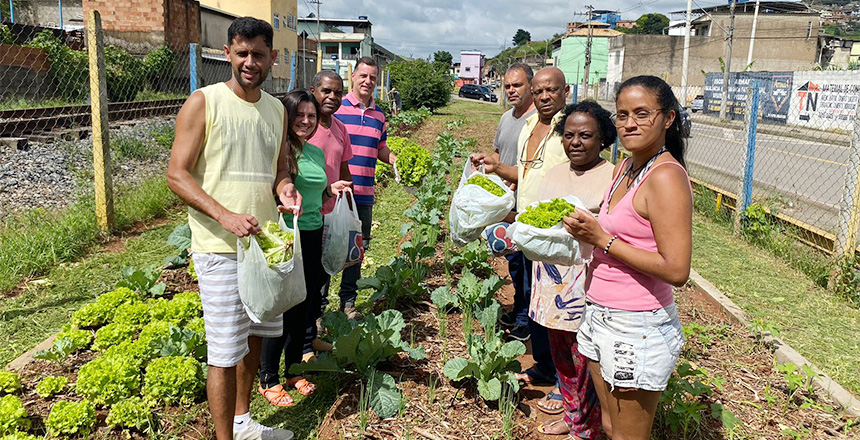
365 122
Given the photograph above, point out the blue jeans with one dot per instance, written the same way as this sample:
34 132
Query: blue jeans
348 288
522 280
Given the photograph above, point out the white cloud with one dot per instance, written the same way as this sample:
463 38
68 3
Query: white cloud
418 28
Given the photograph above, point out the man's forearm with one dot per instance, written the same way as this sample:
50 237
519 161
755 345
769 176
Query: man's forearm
507 172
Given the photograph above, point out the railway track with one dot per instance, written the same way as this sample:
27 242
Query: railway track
34 121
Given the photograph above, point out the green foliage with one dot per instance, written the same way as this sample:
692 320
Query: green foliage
164 135
181 342
757 225
197 325
108 379
125 74
113 334
798 378
68 67
19 436
102 311
71 419
51 386
276 244
654 24
6 36
546 214
405 122
522 37
180 238
135 315
59 351
158 65
81 339
396 281
155 330
131 413
144 281
846 281
420 84
137 352
471 295
9 382
484 182
473 257
13 415
442 60
683 405
412 164
130 147
173 379
183 307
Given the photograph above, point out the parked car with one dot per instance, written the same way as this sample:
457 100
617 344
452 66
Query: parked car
477 92
698 103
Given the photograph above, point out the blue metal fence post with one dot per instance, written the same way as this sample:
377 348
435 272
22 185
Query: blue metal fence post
192 65
11 11
60 6
575 97
292 71
615 151
750 128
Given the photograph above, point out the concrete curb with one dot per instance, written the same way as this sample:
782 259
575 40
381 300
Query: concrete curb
21 361
783 352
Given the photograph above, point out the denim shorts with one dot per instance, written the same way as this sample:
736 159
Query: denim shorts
634 349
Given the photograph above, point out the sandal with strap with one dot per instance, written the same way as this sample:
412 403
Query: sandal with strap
304 386
276 395
549 428
550 396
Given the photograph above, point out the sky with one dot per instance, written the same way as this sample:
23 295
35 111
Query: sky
417 28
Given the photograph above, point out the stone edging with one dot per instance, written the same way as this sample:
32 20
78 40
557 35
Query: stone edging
783 352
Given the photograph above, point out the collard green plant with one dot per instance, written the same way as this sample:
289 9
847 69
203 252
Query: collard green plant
396 281
180 238
492 362
473 257
471 295
71 419
108 379
10 382
51 386
181 342
359 347
173 379
143 281
59 351
13 415
131 413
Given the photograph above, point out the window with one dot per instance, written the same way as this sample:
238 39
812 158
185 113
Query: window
286 22
276 22
468 69
330 50
286 56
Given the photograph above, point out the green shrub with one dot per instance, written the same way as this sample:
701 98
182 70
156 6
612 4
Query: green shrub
9 382
6 36
158 65
19 436
13 415
108 379
420 85
125 74
71 419
136 352
113 334
173 379
135 315
81 339
131 413
51 386
69 68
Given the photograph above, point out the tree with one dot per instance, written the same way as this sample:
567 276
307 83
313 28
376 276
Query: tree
522 37
651 24
442 60
421 84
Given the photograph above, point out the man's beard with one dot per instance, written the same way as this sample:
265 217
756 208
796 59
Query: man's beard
261 77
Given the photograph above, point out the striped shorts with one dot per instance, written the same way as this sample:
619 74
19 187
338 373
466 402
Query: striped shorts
227 324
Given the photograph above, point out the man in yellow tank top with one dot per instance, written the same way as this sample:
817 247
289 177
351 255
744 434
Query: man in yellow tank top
228 159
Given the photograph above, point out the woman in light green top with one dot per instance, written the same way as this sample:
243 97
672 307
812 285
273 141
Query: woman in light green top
307 165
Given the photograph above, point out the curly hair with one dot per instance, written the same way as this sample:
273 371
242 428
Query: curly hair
605 126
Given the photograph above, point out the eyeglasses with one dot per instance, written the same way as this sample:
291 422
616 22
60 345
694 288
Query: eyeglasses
640 118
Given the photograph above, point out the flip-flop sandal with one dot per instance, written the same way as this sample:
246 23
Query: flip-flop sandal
542 428
276 395
551 396
534 379
304 386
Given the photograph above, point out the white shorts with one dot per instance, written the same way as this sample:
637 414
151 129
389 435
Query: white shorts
227 324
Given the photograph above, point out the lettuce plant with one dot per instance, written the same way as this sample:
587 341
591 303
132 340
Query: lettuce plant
153 331
19 436
131 413
108 379
547 214
277 244
71 419
173 379
134 315
81 339
13 415
484 182
113 334
9 382
136 352
102 311
51 386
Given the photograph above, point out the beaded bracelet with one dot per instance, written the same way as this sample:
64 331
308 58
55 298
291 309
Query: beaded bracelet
606 249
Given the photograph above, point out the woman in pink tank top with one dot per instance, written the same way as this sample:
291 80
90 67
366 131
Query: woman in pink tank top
642 240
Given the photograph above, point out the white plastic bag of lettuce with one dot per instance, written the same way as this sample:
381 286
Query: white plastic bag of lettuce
271 278
473 207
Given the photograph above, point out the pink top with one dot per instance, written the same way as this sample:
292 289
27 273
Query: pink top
335 144
614 284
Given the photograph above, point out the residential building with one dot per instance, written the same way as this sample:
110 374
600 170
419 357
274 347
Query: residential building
609 17
625 24
283 16
343 41
145 25
471 67
568 52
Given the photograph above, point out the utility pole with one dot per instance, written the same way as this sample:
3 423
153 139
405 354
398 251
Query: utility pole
728 62
587 54
319 36
685 63
752 35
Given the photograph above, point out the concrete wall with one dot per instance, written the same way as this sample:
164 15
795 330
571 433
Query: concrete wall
47 13
213 28
570 58
144 25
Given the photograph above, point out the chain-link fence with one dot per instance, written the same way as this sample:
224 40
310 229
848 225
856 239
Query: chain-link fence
782 154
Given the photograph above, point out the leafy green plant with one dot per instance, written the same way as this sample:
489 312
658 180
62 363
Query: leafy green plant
277 244
13 415
125 74
173 379
135 315
81 339
102 311
131 413
51 386
113 334
683 405
406 121
487 184
108 379
10 382
547 214
757 225
181 342
69 68
19 436
473 257
180 238
137 352
143 281
397 280
492 362
359 347
760 328
798 378
71 419
154 330
471 295
6 36
412 164
197 325
59 351
183 307
158 65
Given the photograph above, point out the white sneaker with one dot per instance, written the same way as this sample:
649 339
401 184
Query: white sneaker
256 431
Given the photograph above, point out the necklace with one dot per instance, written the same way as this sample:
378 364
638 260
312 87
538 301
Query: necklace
634 180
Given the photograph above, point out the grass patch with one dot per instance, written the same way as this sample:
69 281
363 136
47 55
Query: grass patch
150 95
38 239
17 103
131 147
821 326
42 309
